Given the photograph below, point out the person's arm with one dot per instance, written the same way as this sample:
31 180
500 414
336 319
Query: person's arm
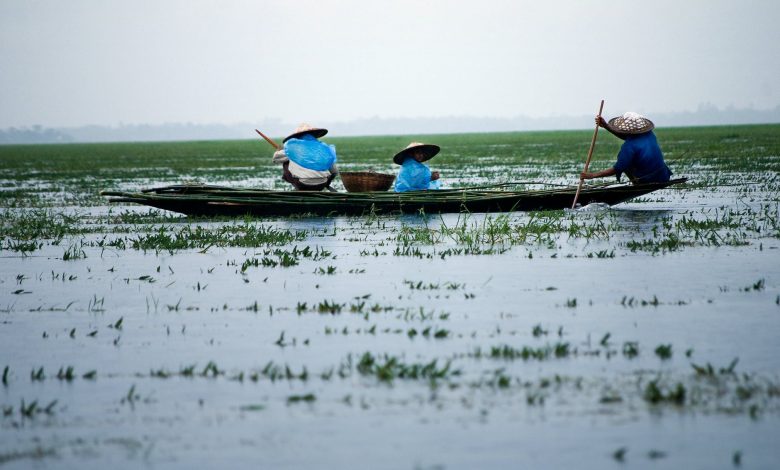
598 174
280 157
334 170
434 175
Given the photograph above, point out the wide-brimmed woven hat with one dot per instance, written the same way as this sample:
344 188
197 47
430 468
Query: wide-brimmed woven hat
631 123
306 129
429 150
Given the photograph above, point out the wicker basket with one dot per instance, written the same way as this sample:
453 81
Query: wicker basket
363 181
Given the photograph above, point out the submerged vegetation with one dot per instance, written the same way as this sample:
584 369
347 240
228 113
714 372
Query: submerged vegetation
28 231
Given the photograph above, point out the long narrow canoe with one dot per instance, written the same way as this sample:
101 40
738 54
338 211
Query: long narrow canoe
207 200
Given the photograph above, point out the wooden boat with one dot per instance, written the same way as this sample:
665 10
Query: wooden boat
207 200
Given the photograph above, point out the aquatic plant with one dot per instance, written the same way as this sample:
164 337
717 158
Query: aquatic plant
656 393
664 351
389 368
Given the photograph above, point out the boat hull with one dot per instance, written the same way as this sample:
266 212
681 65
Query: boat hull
203 200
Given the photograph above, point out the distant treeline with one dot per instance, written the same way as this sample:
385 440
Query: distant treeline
33 135
705 115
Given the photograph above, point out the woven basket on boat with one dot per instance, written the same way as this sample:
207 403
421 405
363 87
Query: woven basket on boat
363 181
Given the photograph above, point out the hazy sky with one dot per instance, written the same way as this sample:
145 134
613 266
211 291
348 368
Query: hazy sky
76 62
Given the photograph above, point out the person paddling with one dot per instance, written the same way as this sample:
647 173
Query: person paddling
414 175
640 157
307 163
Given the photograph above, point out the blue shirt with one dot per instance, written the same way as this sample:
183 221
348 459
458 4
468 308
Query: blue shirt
414 176
641 158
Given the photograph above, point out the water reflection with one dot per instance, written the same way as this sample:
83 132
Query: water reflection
641 220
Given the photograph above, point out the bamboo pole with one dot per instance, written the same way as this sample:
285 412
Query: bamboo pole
267 139
590 154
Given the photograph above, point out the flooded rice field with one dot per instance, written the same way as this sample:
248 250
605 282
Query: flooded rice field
643 335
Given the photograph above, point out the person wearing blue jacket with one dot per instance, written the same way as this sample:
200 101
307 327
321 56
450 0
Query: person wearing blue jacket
640 156
307 163
414 175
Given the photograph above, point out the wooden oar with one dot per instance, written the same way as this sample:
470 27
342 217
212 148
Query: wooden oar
267 139
590 154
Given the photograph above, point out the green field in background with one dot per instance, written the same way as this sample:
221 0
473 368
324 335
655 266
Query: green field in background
83 170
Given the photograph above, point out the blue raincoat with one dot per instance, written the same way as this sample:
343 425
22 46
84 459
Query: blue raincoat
310 153
641 157
414 176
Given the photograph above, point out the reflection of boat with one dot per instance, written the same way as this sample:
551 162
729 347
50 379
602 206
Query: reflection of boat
205 200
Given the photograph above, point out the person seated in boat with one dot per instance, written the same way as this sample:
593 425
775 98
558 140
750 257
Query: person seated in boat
307 163
640 157
414 175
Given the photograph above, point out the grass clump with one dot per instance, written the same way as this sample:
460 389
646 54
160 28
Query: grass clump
390 368
655 393
558 350
170 238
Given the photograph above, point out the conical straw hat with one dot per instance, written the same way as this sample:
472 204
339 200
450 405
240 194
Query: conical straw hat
631 123
429 150
305 128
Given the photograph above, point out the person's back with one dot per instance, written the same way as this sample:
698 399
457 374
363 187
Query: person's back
642 160
307 163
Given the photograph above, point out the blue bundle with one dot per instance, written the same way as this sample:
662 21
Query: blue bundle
310 153
414 176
